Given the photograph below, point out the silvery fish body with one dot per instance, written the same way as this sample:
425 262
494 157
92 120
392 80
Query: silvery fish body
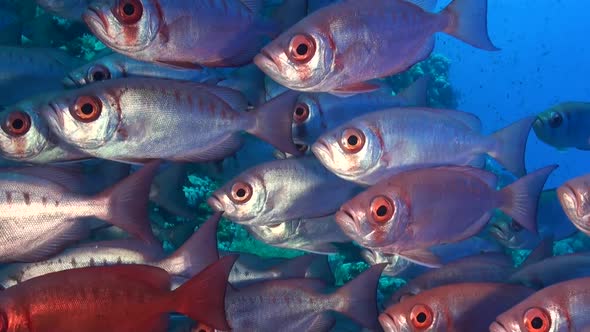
312 235
289 189
553 270
565 126
141 119
183 32
574 197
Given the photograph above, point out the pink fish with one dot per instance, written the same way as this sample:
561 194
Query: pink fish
342 46
574 197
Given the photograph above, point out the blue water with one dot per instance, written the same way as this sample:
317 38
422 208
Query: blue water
544 60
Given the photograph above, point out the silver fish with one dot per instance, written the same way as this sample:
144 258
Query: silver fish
374 146
313 235
141 119
565 126
41 216
340 47
282 190
574 197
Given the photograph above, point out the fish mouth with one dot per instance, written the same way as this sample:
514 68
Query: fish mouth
266 62
346 221
321 150
497 232
387 322
497 327
215 204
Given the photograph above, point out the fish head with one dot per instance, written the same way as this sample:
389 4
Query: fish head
308 121
96 71
416 313
536 313
351 151
511 234
551 126
242 199
301 58
375 217
24 134
124 25
574 197
84 118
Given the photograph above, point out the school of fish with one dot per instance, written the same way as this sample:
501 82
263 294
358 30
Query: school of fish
284 103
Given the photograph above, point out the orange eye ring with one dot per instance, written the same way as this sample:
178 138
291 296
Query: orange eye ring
537 320
17 124
382 209
352 140
302 48
87 109
241 192
421 316
301 113
128 11
98 73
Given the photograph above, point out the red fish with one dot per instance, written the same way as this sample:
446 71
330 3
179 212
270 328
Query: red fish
114 298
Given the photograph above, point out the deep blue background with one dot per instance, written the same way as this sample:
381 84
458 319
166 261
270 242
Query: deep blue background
545 59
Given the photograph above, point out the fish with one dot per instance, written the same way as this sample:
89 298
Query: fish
198 252
564 126
104 298
575 201
316 235
40 216
551 222
68 9
183 33
379 144
488 267
25 135
453 308
553 270
129 120
249 80
282 190
114 66
415 210
340 48
26 72
303 304
316 113
555 308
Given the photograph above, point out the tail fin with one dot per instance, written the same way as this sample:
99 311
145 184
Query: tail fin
128 203
167 191
542 251
469 23
520 199
274 122
510 145
359 297
198 252
417 93
202 298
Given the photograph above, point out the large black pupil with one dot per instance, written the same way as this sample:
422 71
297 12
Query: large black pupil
18 124
382 211
128 9
87 109
556 120
98 76
299 111
302 49
537 323
353 140
421 318
241 192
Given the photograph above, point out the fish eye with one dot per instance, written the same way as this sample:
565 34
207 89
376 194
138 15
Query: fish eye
555 119
382 209
421 316
17 124
301 113
515 226
241 192
352 140
87 109
98 73
129 11
537 320
302 48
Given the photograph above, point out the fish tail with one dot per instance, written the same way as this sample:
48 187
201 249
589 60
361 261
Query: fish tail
468 21
417 93
520 199
510 145
198 252
127 203
358 297
274 121
202 298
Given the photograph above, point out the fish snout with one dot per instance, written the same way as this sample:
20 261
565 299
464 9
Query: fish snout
346 219
322 151
388 323
497 327
215 203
